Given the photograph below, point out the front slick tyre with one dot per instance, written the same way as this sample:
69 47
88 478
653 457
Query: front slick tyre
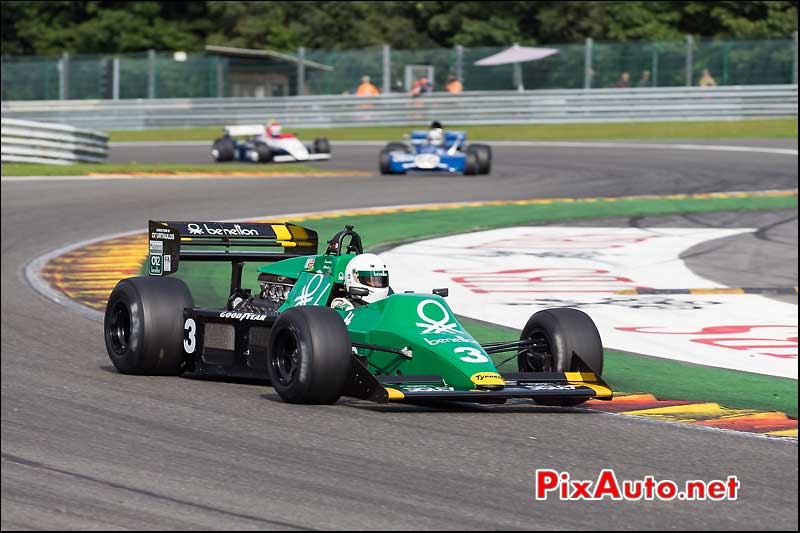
567 341
143 325
385 162
309 356
484 154
471 164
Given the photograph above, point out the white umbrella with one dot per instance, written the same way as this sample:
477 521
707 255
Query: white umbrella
515 55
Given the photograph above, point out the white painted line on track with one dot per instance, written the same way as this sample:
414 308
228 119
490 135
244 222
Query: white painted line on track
33 274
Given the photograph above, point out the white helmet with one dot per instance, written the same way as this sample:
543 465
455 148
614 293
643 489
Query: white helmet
436 136
368 271
274 128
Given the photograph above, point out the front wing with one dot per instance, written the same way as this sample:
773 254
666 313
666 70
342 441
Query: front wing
533 386
286 158
401 162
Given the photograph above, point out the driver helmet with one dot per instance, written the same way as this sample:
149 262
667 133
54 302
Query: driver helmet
368 271
274 128
436 136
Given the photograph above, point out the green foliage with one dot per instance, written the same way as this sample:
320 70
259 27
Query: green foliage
50 27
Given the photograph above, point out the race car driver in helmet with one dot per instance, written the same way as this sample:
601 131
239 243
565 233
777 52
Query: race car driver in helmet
364 271
274 129
436 134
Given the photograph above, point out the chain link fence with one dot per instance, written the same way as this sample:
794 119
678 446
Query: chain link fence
324 72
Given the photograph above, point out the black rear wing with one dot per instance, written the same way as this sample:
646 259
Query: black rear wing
173 242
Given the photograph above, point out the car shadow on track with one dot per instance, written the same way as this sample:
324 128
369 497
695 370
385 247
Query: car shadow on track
217 379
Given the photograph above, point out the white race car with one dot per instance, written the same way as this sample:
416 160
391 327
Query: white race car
266 144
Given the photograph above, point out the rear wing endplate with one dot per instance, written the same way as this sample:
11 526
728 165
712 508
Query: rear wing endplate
245 130
173 242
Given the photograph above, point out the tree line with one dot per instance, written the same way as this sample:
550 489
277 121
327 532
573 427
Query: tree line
52 27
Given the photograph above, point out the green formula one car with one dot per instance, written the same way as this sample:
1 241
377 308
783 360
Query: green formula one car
400 348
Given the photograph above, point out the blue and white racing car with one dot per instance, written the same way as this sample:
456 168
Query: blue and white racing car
436 151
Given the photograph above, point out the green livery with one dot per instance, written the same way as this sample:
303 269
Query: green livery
421 325
316 341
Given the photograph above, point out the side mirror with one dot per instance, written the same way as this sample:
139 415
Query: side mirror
358 291
441 292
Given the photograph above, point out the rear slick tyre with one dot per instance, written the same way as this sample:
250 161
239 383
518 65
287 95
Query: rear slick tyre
143 325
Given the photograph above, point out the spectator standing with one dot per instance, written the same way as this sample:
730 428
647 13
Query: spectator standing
645 81
367 88
624 81
706 80
421 86
453 84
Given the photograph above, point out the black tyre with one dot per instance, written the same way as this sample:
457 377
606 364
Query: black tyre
322 145
567 341
143 325
471 164
309 356
484 154
384 162
264 152
223 149
399 147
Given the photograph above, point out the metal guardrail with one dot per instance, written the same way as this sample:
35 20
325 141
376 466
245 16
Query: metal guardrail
503 107
27 141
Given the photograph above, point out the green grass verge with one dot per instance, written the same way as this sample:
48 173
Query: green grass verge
84 169
781 127
625 372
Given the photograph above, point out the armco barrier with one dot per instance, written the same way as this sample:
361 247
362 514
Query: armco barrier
40 142
504 107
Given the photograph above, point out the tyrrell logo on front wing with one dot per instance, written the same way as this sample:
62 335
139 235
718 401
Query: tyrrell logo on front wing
487 378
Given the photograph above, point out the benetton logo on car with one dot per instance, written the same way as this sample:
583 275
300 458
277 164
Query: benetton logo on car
236 231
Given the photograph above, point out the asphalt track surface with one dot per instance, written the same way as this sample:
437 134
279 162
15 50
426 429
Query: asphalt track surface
85 447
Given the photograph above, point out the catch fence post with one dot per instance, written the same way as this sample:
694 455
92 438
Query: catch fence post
151 73
63 77
301 70
387 69
115 80
460 63
587 61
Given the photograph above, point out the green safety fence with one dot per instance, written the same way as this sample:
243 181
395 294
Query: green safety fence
585 65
